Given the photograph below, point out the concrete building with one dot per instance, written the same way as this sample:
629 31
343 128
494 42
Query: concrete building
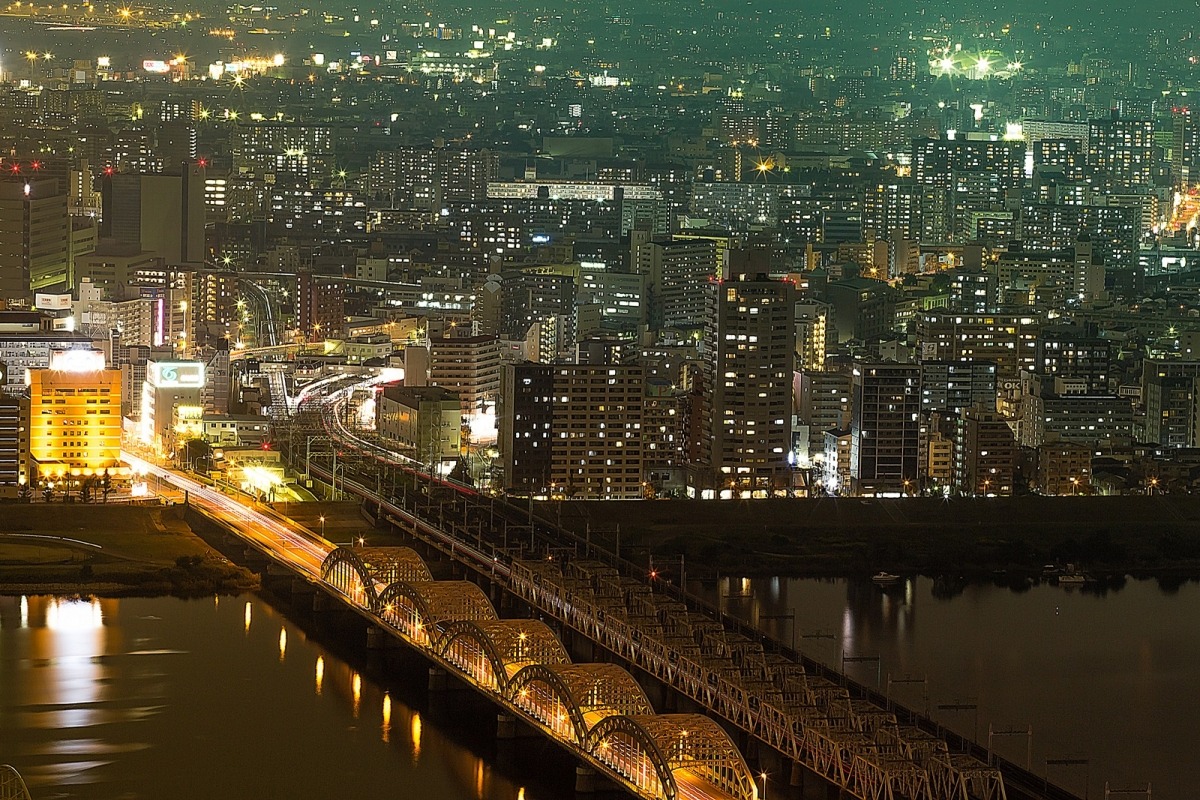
14 445
1008 340
835 461
75 417
468 366
749 347
158 213
822 403
677 272
424 419
35 238
1064 468
169 388
573 430
1169 397
951 386
985 453
320 306
884 427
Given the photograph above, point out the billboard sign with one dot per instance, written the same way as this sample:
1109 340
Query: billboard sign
170 374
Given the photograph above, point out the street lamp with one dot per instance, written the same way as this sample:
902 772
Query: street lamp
322 519
1074 486
763 777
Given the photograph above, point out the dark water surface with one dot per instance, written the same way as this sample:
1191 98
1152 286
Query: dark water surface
1113 677
156 698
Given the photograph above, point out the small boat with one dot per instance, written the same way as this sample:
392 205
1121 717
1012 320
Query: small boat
885 579
1071 579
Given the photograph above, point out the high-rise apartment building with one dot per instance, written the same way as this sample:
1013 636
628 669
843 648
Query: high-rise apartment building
985 453
573 430
678 272
748 355
320 305
468 366
951 386
1008 340
1122 151
884 427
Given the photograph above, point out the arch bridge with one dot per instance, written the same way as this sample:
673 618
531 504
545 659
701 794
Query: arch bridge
598 711
12 785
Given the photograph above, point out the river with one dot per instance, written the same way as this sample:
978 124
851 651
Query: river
1112 678
223 697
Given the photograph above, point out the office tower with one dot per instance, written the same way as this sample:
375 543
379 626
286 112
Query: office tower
985 453
34 238
749 345
161 214
75 416
884 429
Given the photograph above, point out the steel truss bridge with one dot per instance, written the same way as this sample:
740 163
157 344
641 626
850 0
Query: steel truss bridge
860 741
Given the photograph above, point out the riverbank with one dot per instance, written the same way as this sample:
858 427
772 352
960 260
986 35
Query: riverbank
842 537
110 551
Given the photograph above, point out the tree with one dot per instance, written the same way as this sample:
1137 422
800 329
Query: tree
25 493
47 493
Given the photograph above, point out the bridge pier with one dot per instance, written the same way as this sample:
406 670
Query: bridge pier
438 680
585 780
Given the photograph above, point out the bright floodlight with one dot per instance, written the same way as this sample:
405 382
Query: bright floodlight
982 66
947 64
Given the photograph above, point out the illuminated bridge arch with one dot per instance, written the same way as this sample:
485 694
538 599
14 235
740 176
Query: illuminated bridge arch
390 564
345 570
492 651
658 754
570 699
421 610
12 786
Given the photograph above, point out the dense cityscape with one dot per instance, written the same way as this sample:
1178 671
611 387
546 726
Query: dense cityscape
948 256
467 265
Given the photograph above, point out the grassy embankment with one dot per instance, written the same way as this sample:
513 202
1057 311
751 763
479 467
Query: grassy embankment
109 550
845 536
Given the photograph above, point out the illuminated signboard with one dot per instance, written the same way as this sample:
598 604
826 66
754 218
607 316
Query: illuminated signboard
52 302
156 66
169 374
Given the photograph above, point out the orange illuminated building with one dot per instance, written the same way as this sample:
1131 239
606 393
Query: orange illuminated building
75 417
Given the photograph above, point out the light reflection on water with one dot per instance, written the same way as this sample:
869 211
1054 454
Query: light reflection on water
1111 675
125 699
